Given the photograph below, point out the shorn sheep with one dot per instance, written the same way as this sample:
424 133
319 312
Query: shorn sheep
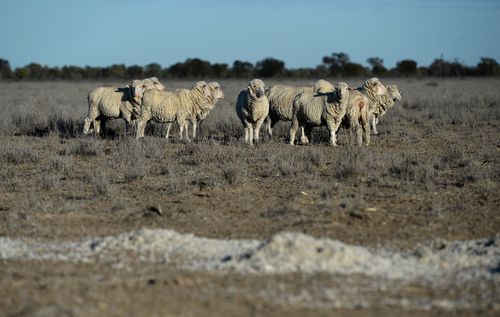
321 107
212 98
386 104
179 106
252 107
281 104
112 103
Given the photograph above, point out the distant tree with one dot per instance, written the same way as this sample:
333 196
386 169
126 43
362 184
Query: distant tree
134 72
72 72
443 68
192 67
115 71
270 67
5 70
53 73
242 69
92 72
336 62
36 71
353 69
321 71
220 70
377 65
152 70
488 67
21 73
406 67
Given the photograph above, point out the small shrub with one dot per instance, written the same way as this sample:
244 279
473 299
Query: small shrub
49 180
83 148
18 154
100 184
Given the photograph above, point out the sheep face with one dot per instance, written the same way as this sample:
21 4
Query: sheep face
342 90
376 87
256 89
394 92
216 91
138 87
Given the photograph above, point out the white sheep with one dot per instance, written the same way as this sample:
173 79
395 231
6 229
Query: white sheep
281 104
252 107
212 98
362 103
321 107
179 106
111 103
386 104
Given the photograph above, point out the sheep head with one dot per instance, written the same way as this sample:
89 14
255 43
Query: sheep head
256 88
215 90
137 87
156 83
323 87
375 87
342 90
200 89
394 92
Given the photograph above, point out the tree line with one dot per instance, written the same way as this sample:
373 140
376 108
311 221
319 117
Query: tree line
336 65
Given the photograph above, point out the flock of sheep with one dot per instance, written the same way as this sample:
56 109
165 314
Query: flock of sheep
322 104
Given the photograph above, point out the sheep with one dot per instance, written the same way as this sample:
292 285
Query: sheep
252 107
281 104
386 104
319 108
111 103
212 98
178 106
363 102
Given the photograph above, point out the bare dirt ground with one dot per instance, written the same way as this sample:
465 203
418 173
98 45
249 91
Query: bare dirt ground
70 205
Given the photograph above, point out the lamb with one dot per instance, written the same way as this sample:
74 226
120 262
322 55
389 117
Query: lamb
252 107
281 104
179 106
212 98
319 108
386 104
112 103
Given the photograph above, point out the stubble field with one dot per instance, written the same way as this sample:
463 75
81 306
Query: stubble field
94 226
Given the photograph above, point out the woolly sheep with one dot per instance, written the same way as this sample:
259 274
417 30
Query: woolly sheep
386 104
362 103
281 104
212 98
178 106
111 103
252 107
319 108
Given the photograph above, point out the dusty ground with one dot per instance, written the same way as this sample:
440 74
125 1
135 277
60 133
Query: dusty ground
431 175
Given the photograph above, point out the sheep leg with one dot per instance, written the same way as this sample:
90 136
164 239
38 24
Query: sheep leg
103 127
374 122
303 137
194 129
268 126
359 134
366 133
256 131
293 129
169 125
141 126
333 126
308 133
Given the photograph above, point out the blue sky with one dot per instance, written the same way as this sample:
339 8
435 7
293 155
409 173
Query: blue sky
105 32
